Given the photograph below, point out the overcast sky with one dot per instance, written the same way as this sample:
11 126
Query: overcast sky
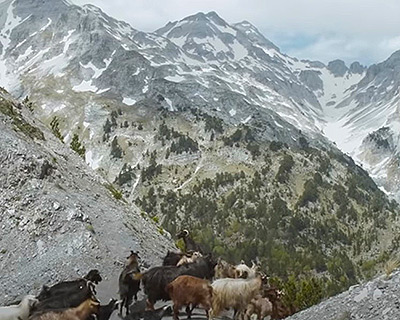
364 30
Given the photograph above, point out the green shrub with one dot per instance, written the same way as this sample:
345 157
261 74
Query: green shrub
7 108
285 168
125 175
310 193
117 194
153 169
184 144
213 123
77 146
116 151
235 137
161 230
275 146
54 124
90 228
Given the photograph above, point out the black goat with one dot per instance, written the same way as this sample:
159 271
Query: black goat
156 279
62 288
105 311
68 299
93 276
157 314
172 258
67 287
190 245
128 285
138 306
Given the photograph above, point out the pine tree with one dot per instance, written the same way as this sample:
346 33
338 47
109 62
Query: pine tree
55 128
77 146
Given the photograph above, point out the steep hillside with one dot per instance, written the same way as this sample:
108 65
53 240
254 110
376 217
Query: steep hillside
372 300
57 218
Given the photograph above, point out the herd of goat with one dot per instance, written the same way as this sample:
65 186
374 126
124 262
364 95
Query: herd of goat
184 278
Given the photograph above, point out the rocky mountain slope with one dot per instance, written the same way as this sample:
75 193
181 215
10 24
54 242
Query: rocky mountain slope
372 300
57 218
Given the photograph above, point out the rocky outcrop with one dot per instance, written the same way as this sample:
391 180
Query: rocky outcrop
338 68
373 300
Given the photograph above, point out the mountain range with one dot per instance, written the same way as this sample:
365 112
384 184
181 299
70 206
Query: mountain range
208 125
230 70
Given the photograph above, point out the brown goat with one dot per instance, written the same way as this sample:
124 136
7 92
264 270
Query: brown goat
82 312
279 310
188 290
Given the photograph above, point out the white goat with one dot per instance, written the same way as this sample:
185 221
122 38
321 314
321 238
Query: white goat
244 271
189 259
20 311
234 293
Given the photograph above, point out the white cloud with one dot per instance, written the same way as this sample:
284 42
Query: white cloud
366 50
363 30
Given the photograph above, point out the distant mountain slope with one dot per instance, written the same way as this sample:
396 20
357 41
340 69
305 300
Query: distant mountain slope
370 120
57 218
300 211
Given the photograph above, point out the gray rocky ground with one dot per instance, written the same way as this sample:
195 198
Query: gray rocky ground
59 223
374 300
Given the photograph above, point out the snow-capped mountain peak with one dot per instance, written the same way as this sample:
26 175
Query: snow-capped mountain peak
254 35
202 61
207 36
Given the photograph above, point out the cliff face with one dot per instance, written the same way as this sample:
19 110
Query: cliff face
57 218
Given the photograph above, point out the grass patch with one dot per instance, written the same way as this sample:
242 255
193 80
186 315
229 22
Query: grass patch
117 194
390 266
161 230
90 228
7 108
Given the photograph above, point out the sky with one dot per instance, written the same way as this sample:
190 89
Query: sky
367 31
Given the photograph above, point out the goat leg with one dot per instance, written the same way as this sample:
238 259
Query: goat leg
127 306
176 311
150 305
189 310
121 306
